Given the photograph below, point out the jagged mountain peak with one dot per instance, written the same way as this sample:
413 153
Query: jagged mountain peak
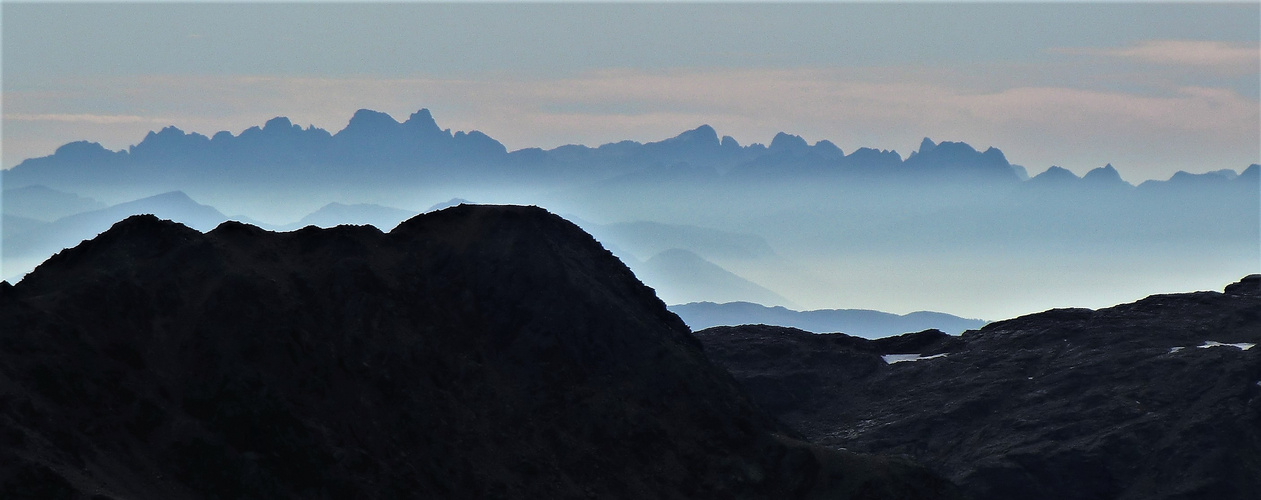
369 121
279 123
1106 174
704 134
424 122
1250 174
995 155
925 146
1055 174
81 148
169 130
784 141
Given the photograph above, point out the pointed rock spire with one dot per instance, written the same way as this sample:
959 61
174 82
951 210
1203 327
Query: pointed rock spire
1103 175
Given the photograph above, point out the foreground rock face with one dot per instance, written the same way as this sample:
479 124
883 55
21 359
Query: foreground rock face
1158 399
476 352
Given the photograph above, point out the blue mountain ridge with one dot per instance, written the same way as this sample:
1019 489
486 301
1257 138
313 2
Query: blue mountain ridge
858 322
380 144
376 144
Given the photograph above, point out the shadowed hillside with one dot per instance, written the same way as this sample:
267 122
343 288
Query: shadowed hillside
1156 399
474 352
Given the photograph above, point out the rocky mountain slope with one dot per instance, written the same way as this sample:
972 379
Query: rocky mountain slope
1156 399
474 352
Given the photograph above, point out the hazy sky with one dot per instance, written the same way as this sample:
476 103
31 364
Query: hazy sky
1151 88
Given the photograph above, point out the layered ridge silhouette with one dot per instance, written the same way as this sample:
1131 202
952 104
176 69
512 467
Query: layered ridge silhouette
477 351
808 223
374 144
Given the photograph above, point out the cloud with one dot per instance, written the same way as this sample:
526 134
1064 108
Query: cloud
1225 57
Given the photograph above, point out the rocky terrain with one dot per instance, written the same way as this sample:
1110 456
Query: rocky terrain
474 352
1156 399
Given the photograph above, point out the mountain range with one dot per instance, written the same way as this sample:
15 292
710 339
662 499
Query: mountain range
857 322
500 351
947 227
373 145
471 352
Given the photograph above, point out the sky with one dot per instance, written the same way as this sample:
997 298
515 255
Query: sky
1152 88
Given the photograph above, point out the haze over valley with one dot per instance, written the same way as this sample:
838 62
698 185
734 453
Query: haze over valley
843 251
699 217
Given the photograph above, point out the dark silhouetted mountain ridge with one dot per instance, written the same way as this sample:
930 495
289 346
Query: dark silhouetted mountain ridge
473 352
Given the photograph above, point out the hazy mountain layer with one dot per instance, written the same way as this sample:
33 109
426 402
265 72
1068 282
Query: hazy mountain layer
644 239
35 242
376 150
948 227
1156 399
474 352
336 214
682 276
44 204
859 322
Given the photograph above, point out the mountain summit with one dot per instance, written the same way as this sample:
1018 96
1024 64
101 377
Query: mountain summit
475 352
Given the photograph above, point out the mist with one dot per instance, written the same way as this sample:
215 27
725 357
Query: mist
946 227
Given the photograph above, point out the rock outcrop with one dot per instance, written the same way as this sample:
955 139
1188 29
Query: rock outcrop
1157 399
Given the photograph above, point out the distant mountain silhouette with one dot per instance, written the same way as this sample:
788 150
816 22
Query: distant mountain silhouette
448 204
335 214
44 203
646 239
1055 176
473 352
27 242
858 322
418 150
948 205
1184 180
42 240
279 152
682 276
959 161
14 226
1250 174
1105 176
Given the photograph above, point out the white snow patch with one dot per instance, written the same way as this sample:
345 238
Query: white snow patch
1243 346
898 358
1176 349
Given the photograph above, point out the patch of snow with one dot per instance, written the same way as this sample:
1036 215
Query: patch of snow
898 358
1175 349
1243 346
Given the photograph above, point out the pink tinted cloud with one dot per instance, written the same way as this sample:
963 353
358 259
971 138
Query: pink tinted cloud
1223 57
